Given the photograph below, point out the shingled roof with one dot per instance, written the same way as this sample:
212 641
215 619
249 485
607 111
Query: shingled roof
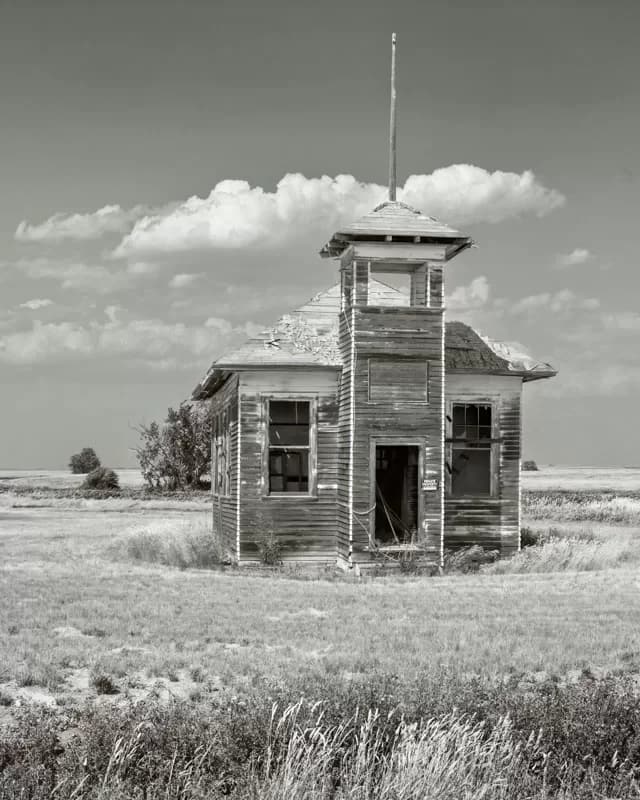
397 220
308 337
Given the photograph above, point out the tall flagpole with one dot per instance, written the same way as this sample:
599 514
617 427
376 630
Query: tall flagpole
392 123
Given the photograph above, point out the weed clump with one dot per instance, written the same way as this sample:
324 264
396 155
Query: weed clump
469 559
103 684
269 549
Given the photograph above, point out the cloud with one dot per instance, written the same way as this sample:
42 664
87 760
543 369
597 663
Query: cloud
183 280
76 275
152 343
562 301
464 194
80 227
622 321
577 256
43 341
238 215
473 296
36 303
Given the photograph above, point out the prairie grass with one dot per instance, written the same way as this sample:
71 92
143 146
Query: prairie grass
582 507
181 543
439 739
569 553
447 758
549 478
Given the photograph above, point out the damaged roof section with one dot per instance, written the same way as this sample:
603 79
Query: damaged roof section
308 337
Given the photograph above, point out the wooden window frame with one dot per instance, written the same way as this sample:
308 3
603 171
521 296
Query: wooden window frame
221 443
397 359
298 397
494 450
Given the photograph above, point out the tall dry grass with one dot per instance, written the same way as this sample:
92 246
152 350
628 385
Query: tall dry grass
449 758
582 507
569 553
182 543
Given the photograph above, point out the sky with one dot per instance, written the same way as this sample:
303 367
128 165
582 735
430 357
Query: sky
169 171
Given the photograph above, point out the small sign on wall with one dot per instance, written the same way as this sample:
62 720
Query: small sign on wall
429 484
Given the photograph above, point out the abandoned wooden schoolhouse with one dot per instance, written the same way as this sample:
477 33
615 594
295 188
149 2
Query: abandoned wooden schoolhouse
362 425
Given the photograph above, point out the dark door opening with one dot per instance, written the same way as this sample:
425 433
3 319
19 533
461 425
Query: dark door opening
396 518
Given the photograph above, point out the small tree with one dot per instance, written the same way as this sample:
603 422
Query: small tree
176 454
529 466
85 461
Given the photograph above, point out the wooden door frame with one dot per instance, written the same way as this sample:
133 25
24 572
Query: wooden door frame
397 441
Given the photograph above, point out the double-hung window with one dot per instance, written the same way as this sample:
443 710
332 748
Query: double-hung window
289 423
471 449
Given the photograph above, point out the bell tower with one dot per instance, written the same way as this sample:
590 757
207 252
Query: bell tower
392 410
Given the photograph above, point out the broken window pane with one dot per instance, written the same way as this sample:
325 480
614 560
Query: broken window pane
471 472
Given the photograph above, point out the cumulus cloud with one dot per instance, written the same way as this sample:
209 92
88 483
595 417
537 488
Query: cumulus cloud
183 280
151 342
80 227
474 295
236 214
36 303
465 194
559 302
577 256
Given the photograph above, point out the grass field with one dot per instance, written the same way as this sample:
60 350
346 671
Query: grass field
86 617
83 603
59 479
582 479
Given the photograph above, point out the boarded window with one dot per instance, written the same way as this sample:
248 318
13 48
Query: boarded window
221 468
398 380
289 446
471 444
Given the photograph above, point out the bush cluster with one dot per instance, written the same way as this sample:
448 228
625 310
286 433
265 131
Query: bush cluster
440 737
101 478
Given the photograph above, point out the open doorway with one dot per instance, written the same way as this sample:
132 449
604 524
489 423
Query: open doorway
396 511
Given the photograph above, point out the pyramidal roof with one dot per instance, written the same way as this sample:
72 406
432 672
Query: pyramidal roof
393 218
308 337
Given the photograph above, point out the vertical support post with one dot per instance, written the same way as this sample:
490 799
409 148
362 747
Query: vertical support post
392 123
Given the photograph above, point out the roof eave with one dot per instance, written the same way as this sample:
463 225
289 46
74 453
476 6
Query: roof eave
336 246
537 375
220 374
211 382
526 375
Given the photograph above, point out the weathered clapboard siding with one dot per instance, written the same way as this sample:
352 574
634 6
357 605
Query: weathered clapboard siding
394 334
305 526
491 522
225 508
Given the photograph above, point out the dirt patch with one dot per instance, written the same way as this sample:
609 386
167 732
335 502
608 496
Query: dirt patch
69 632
